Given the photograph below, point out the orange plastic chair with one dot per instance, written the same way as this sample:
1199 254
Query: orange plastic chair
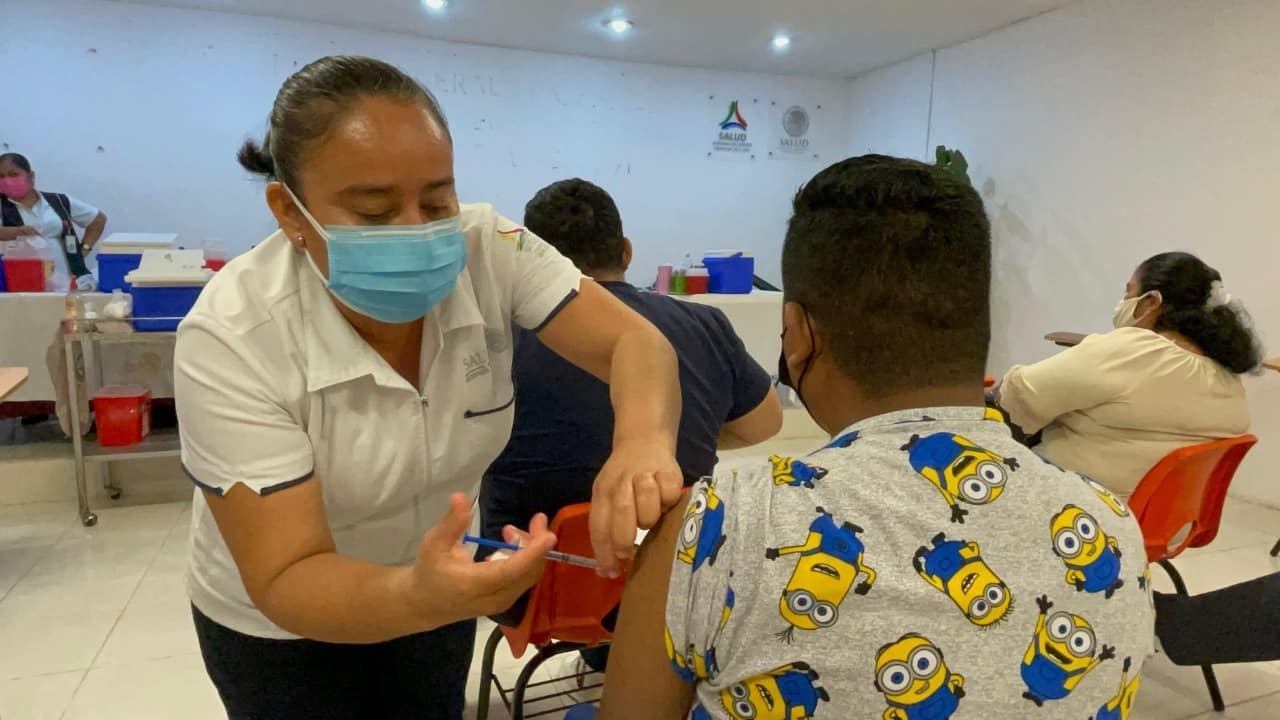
1179 503
565 613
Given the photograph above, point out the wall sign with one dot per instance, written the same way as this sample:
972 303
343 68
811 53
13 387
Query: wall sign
731 135
792 134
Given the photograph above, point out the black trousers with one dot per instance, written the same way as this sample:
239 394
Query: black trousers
421 676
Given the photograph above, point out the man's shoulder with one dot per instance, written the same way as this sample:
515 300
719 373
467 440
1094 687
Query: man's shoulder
683 321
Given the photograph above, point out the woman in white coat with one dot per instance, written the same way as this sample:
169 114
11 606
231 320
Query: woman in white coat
341 389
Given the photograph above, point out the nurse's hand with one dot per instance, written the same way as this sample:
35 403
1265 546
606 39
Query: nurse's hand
640 482
447 584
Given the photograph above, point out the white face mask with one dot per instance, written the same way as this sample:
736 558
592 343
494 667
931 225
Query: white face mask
1124 314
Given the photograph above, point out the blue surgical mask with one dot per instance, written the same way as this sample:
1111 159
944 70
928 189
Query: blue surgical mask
392 273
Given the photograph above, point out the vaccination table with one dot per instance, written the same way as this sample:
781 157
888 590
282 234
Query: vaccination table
29 325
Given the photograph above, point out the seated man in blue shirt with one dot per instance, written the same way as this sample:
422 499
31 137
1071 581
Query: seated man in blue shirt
563 426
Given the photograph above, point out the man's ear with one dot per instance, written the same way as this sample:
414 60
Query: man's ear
626 254
798 340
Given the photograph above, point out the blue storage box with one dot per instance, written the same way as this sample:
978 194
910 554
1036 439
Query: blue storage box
121 253
112 269
165 288
167 304
731 272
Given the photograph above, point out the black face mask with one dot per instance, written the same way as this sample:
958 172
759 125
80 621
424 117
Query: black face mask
784 373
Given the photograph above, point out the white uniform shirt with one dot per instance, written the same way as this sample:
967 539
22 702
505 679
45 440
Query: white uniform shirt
42 217
274 385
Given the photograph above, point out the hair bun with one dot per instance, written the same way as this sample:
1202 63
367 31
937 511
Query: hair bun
256 159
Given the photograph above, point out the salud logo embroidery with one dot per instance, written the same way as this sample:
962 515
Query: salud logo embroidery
475 365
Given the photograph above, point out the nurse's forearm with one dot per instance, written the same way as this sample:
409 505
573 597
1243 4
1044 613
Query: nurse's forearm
338 599
644 386
94 231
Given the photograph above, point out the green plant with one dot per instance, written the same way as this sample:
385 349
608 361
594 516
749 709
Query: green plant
953 161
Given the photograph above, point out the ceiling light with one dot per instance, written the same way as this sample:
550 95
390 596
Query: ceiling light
619 25
781 41
436 5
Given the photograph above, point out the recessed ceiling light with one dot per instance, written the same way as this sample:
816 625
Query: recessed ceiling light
781 41
619 25
436 5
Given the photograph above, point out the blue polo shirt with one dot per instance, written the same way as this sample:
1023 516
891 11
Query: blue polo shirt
563 428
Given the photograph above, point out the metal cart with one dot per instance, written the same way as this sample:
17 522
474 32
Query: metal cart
162 444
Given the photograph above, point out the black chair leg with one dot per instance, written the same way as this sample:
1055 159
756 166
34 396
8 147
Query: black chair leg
1179 586
486 672
1215 694
1210 679
522 684
1275 551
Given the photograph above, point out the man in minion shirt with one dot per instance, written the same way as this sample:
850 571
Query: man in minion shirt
931 567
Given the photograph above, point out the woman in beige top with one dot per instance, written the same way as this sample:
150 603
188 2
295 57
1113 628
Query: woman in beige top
1168 376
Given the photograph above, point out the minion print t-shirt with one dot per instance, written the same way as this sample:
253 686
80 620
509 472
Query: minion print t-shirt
923 566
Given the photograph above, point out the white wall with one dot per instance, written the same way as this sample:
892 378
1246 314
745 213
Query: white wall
140 110
1099 135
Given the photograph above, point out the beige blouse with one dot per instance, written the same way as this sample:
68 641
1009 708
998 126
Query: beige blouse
1115 404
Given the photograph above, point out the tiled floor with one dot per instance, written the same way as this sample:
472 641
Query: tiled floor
94 622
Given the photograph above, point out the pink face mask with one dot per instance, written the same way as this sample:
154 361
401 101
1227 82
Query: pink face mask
15 187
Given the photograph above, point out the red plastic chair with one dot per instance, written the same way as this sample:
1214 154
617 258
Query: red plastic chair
1179 503
564 614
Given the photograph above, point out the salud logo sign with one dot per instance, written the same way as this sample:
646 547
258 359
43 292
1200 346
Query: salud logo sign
794 139
732 137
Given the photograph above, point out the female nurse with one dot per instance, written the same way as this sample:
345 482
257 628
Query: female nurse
341 389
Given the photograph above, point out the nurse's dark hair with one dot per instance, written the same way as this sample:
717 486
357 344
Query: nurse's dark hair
1185 283
314 98
891 259
580 220
18 160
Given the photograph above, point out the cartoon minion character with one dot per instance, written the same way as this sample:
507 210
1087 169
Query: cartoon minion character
1092 557
915 680
702 534
1061 654
962 471
705 665
679 662
843 441
831 561
787 471
1113 501
789 693
1119 707
956 569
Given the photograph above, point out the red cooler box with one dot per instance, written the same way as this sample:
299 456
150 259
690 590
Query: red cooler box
123 414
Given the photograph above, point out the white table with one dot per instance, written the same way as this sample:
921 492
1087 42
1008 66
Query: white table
756 317
29 324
